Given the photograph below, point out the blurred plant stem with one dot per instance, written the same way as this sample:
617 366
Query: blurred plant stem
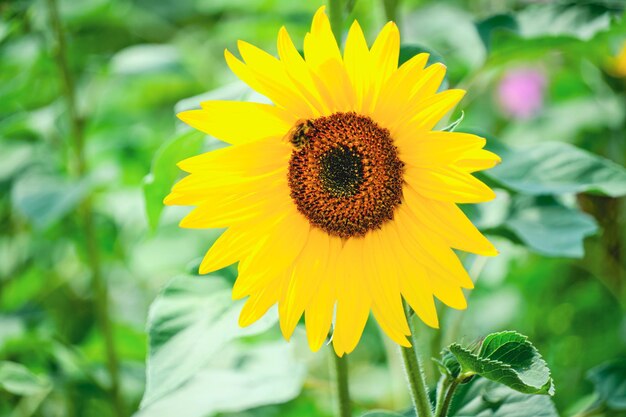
342 385
335 15
79 166
391 9
415 373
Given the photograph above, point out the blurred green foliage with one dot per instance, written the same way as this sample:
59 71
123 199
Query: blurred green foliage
558 220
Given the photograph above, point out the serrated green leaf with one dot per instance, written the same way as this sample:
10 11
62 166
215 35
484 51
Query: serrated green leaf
484 398
197 356
609 381
557 168
507 358
448 364
164 172
17 379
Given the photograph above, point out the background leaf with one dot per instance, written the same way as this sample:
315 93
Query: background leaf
484 398
17 379
197 356
549 228
557 168
158 183
609 382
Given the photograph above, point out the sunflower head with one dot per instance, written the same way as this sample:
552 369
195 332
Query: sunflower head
339 199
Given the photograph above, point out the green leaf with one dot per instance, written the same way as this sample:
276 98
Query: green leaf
17 379
507 358
448 365
496 23
609 381
45 199
484 398
197 356
549 228
557 168
381 413
164 172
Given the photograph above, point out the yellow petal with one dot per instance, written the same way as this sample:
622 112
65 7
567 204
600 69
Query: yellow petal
426 113
448 184
414 282
226 211
197 188
430 250
477 160
384 61
298 71
281 248
394 96
304 280
357 62
447 221
438 148
271 81
249 159
223 119
319 312
353 299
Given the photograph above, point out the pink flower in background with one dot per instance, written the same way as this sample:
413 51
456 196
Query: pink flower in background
521 91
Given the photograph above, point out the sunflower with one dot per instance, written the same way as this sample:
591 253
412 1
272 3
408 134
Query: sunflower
339 199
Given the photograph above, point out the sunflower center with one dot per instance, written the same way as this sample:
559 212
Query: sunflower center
344 175
341 171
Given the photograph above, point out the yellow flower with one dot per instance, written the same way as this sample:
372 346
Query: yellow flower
338 198
618 64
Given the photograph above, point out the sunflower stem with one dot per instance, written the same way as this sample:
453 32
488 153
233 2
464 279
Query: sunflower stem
342 385
415 373
335 15
79 168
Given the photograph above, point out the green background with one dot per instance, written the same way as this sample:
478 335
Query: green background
558 220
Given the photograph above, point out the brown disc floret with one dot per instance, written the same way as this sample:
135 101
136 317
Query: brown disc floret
344 174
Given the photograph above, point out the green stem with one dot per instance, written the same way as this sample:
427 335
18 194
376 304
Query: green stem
415 374
444 398
79 166
391 10
342 386
335 15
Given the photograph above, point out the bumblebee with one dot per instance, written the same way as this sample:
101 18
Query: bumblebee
299 135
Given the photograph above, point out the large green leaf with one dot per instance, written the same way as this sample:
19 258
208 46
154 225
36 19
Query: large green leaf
44 199
484 398
164 172
198 358
497 23
507 358
549 228
381 413
557 168
609 381
17 379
